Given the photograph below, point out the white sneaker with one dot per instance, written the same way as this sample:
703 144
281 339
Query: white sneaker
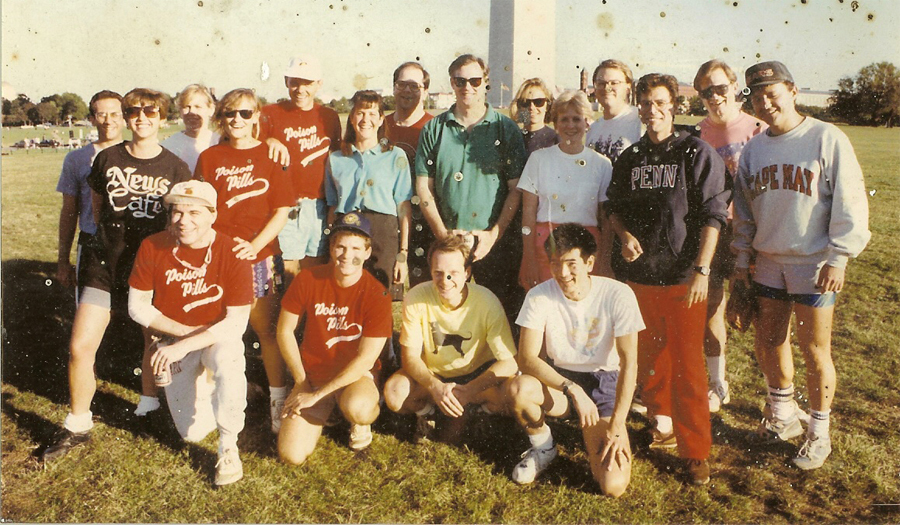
637 406
718 396
813 453
534 461
360 437
276 406
774 430
229 467
801 414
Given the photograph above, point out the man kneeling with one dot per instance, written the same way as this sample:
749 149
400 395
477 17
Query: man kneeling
590 326
193 295
457 348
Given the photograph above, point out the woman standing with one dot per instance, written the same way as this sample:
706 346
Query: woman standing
197 105
369 175
531 108
254 198
560 184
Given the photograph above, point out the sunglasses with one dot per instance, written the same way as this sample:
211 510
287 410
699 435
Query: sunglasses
134 111
244 113
461 82
536 102
721 90
408 85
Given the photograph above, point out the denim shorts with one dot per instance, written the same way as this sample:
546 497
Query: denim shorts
303 236
600 385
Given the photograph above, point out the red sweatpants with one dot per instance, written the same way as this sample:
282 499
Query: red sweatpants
672 366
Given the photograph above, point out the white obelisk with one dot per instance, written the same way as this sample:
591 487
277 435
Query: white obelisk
522 46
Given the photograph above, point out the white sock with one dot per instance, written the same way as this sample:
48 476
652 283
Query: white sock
146 405
781 401
80 423
427 411
543 440
278 393
227 442
716 366
664 424
819 422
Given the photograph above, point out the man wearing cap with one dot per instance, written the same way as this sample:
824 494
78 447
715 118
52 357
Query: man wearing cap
300 134
457 346
192 295
403 128
348 321
801 213
467 167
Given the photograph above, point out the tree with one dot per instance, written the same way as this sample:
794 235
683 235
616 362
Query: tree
44 112
69 105
695 106
870 98
16 112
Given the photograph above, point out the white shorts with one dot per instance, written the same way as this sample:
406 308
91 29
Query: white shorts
795 278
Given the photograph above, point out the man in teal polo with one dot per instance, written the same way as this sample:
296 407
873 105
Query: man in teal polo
467 166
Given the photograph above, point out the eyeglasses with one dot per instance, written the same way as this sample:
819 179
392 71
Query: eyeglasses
661 105
602 84
408 85
102 115
536 102
134 111
460 82
721 90
244 113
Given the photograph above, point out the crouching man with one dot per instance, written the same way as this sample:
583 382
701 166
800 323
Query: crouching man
348 321
193 296
457 348
590 326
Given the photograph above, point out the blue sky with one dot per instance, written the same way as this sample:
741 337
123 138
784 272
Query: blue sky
49 46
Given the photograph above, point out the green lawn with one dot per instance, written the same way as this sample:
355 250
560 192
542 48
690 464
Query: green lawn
120 477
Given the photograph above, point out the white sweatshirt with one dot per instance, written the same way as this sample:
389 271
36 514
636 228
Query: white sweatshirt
800 198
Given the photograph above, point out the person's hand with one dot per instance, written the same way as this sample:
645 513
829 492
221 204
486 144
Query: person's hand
278 152
741 274
485 241
614 448
400 271
164 356
530 276
296 401
446 400
631 248
244 250
698 289
65 274
588 415
831 279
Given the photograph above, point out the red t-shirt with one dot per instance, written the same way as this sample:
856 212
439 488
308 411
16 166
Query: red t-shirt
406 138
309 136
192 297
336 319
250 188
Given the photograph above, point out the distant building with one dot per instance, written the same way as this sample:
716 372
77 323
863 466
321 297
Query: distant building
442 100
819 99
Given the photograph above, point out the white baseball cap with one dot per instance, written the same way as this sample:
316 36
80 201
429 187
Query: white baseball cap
305 67
192 192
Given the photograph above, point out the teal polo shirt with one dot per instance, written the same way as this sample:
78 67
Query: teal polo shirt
371 180
471 169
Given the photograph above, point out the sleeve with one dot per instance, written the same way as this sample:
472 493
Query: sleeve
411 319
265 123
334 130
848 230
531 315
281 190
744 224
204 167
514 158
293 298
331 196
403 190
140 306
378 321
96 180
182 171
239 281
233 325
605 174
499 335
68 182
141 276
626 314
528 181
426 152
709 177
618 192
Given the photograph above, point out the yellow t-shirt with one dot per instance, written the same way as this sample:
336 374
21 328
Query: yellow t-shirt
456 342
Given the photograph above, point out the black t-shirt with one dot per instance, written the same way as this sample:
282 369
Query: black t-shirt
132 209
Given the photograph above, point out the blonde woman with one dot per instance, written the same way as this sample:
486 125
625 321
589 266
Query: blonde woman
531 109
197 105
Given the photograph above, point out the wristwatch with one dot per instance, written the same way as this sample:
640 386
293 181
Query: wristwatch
566 385
702 270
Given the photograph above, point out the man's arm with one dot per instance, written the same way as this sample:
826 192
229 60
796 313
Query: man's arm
68 222
631 247
231 327
369 350
287 344
487 238
429 206
441 393
699 285
495 374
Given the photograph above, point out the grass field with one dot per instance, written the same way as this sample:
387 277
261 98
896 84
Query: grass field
120 477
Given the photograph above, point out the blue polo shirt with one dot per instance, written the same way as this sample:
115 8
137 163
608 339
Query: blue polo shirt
371 180
471 169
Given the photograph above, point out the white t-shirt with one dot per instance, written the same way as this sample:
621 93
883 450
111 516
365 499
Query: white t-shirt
189 149
580 335
611 137
569 187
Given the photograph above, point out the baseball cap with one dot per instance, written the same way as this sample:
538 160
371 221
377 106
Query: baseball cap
353 221
192 192
305 67
767 73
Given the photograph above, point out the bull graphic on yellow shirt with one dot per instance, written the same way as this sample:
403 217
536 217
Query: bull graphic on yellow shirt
442 339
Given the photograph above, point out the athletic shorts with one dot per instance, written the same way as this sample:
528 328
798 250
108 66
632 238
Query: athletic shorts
723 261
467 378
790 282
264 277
321 412
600 385
96 297
303 236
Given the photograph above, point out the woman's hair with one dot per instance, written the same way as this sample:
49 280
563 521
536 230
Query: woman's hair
571 99
230 101
146 96
363 99
531 83
192 89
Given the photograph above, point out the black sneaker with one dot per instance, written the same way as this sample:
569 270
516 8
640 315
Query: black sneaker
62 442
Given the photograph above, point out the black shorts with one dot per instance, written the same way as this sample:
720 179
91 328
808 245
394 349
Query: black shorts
467 378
